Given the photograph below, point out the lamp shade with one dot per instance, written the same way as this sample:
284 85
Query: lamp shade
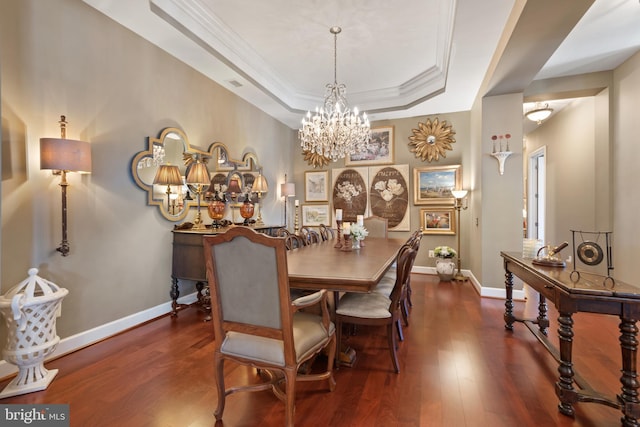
65 154
198 174
168 175
260 184
288 189
459 194
234 186
539 113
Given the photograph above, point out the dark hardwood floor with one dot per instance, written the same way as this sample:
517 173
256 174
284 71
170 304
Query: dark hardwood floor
459 367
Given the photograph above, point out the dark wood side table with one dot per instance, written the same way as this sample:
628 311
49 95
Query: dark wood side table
188 259
587 293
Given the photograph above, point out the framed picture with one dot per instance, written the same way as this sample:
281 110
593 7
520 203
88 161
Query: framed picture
380 152
314 215
438 220
316 186
433 185
389 195
350 192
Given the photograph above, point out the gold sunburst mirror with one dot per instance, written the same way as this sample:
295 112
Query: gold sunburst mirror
431 140
314 159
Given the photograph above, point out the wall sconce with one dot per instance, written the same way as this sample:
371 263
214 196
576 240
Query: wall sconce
260 187
64 155
499 152
288 189
234 190
168 175
198 176
539 113
460 205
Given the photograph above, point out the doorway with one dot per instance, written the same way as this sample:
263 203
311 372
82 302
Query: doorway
536 194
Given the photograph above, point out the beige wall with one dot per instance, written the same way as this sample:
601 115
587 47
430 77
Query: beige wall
116 89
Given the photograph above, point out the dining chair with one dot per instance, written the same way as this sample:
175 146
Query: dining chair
282 232
310 235
255 321
376 226
326 233
376 309
293 241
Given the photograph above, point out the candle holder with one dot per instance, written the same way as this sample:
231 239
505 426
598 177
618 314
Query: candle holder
347 243
296 222
338 244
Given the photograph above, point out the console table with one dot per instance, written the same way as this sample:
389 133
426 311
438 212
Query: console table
571 294
188 259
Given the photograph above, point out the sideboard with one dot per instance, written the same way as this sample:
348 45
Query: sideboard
188 259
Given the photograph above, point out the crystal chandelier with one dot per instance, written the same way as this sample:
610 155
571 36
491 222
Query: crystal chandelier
335 131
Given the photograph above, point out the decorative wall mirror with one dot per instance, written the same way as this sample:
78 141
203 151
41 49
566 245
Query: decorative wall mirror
168 191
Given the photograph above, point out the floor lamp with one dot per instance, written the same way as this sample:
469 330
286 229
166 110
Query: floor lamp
460 205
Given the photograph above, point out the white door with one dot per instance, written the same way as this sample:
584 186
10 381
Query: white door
536 199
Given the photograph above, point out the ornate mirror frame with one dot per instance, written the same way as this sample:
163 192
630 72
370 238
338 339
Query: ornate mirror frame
172 147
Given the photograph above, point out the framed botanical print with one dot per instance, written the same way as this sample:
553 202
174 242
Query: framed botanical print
380 152
389 195
314 215
438 220
433 185
316 186
349 192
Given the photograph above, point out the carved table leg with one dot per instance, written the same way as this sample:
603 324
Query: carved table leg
543 321
564 386
629 397
508 304
174 293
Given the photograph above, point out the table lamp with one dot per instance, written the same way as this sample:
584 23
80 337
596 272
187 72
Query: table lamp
198 176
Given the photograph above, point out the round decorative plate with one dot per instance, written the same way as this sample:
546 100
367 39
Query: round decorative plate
590 253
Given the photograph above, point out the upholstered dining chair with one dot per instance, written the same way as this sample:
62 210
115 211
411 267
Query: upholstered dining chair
375 308
376 226
255 321
310 235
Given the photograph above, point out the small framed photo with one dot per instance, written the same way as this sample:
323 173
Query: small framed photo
316 186
314 215
438 220
380 152
433 185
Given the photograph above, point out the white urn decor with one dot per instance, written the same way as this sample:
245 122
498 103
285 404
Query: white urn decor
445 266
30 309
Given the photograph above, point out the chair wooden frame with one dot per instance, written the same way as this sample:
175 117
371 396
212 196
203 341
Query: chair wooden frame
351 311
270 329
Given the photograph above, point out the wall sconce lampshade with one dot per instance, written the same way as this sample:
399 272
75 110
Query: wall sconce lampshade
65 155
288 189
234 186
539 113
260 185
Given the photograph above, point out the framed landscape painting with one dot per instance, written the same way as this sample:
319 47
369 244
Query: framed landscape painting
314 215
433 185
380 152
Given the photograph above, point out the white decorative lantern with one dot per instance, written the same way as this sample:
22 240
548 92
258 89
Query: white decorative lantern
30 310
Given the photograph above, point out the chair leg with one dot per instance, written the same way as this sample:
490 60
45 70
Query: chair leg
405 312
391 332
409 294
399 328
290 379
338 341
219 371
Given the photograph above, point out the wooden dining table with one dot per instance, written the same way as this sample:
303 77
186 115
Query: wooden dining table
322 266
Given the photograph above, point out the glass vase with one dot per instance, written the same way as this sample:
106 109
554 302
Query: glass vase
355 243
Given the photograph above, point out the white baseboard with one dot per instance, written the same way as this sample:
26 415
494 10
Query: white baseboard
91 336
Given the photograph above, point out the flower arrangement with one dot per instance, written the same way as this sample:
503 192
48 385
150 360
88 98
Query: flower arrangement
444 252
358 232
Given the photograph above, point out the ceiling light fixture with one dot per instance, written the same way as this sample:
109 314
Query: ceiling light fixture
335 131
539 113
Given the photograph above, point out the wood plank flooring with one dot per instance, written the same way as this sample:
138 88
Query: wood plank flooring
459 367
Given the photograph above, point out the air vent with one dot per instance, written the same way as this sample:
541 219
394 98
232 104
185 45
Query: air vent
235 83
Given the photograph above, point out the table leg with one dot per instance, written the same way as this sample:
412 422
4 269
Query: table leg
629 397
543 321
174 293
508 304
564 386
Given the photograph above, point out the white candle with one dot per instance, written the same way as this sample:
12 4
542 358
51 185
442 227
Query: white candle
338 214
297 203
360 219
346 228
